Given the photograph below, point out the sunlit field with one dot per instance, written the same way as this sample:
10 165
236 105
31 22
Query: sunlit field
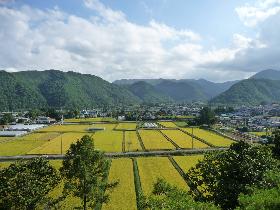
131 141
151 168
123 196
186 162
168 124
126 126
210 137
89 120
154 140
108 141
183 140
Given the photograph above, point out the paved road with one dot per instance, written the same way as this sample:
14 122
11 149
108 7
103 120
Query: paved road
119 154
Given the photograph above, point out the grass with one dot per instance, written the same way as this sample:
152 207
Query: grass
22 145
66 128
108 141
181 123
186 162
123 196
131 141
210 137
158 167
261 133
126 126
168 124
154 140
54 146
183 140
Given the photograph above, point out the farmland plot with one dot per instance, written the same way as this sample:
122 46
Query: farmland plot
211 137
154 140
131 141
168 124
54 146
186 162
126 126
158 167
183 140
123 196
108 141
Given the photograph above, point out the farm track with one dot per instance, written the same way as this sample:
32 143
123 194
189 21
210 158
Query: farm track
170 140
121 154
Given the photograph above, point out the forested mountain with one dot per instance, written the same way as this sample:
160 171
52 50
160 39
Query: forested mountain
267 74
52 88
184 90
250 92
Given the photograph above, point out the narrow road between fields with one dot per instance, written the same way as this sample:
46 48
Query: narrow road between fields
120 154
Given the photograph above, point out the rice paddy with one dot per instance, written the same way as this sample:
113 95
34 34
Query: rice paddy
131 141
152 168
126 126
168 124
154 140
123 196
210 137
183 140
186 162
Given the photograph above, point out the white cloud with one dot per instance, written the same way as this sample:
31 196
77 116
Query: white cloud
109 45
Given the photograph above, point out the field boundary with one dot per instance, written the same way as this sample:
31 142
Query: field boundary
197 138
170 140
140 140
137 184
123 142
163 153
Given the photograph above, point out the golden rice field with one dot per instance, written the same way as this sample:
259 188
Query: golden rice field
66 128
126 126
108 141
24 144
210 137
131 141
183 140
55 145
89 120
123 196
261 133
151 168
168 124
186 162
154 140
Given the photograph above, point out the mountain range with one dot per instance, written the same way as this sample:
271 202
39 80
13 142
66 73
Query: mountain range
53 88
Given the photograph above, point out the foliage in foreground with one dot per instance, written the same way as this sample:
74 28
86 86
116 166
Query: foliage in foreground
85 171
264 196
24 184
222 176
165 196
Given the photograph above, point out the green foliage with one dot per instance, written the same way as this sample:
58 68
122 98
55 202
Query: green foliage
56 89
25 184
250 92
206 116
276 141
265 196
85 170
222 176
6 119
166 196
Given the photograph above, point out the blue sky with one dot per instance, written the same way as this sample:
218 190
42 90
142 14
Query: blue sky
211 39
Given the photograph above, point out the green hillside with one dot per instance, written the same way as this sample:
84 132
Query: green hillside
250 92
33 89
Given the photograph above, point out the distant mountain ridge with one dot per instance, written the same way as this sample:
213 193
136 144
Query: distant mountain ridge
53 88
263 87
184 90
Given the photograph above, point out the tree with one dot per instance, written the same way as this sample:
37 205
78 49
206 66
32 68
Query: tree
206 116
85 171
265 195
276 141
7 118
166 196
24 184
222 176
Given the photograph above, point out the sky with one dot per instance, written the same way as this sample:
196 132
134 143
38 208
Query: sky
218 40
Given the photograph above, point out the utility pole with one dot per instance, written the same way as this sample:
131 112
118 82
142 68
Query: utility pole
61 144
192 137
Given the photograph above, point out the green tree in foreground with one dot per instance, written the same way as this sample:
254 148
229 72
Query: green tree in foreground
25 184
166 196
222 176
264 196
85 170
6 119
276 141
